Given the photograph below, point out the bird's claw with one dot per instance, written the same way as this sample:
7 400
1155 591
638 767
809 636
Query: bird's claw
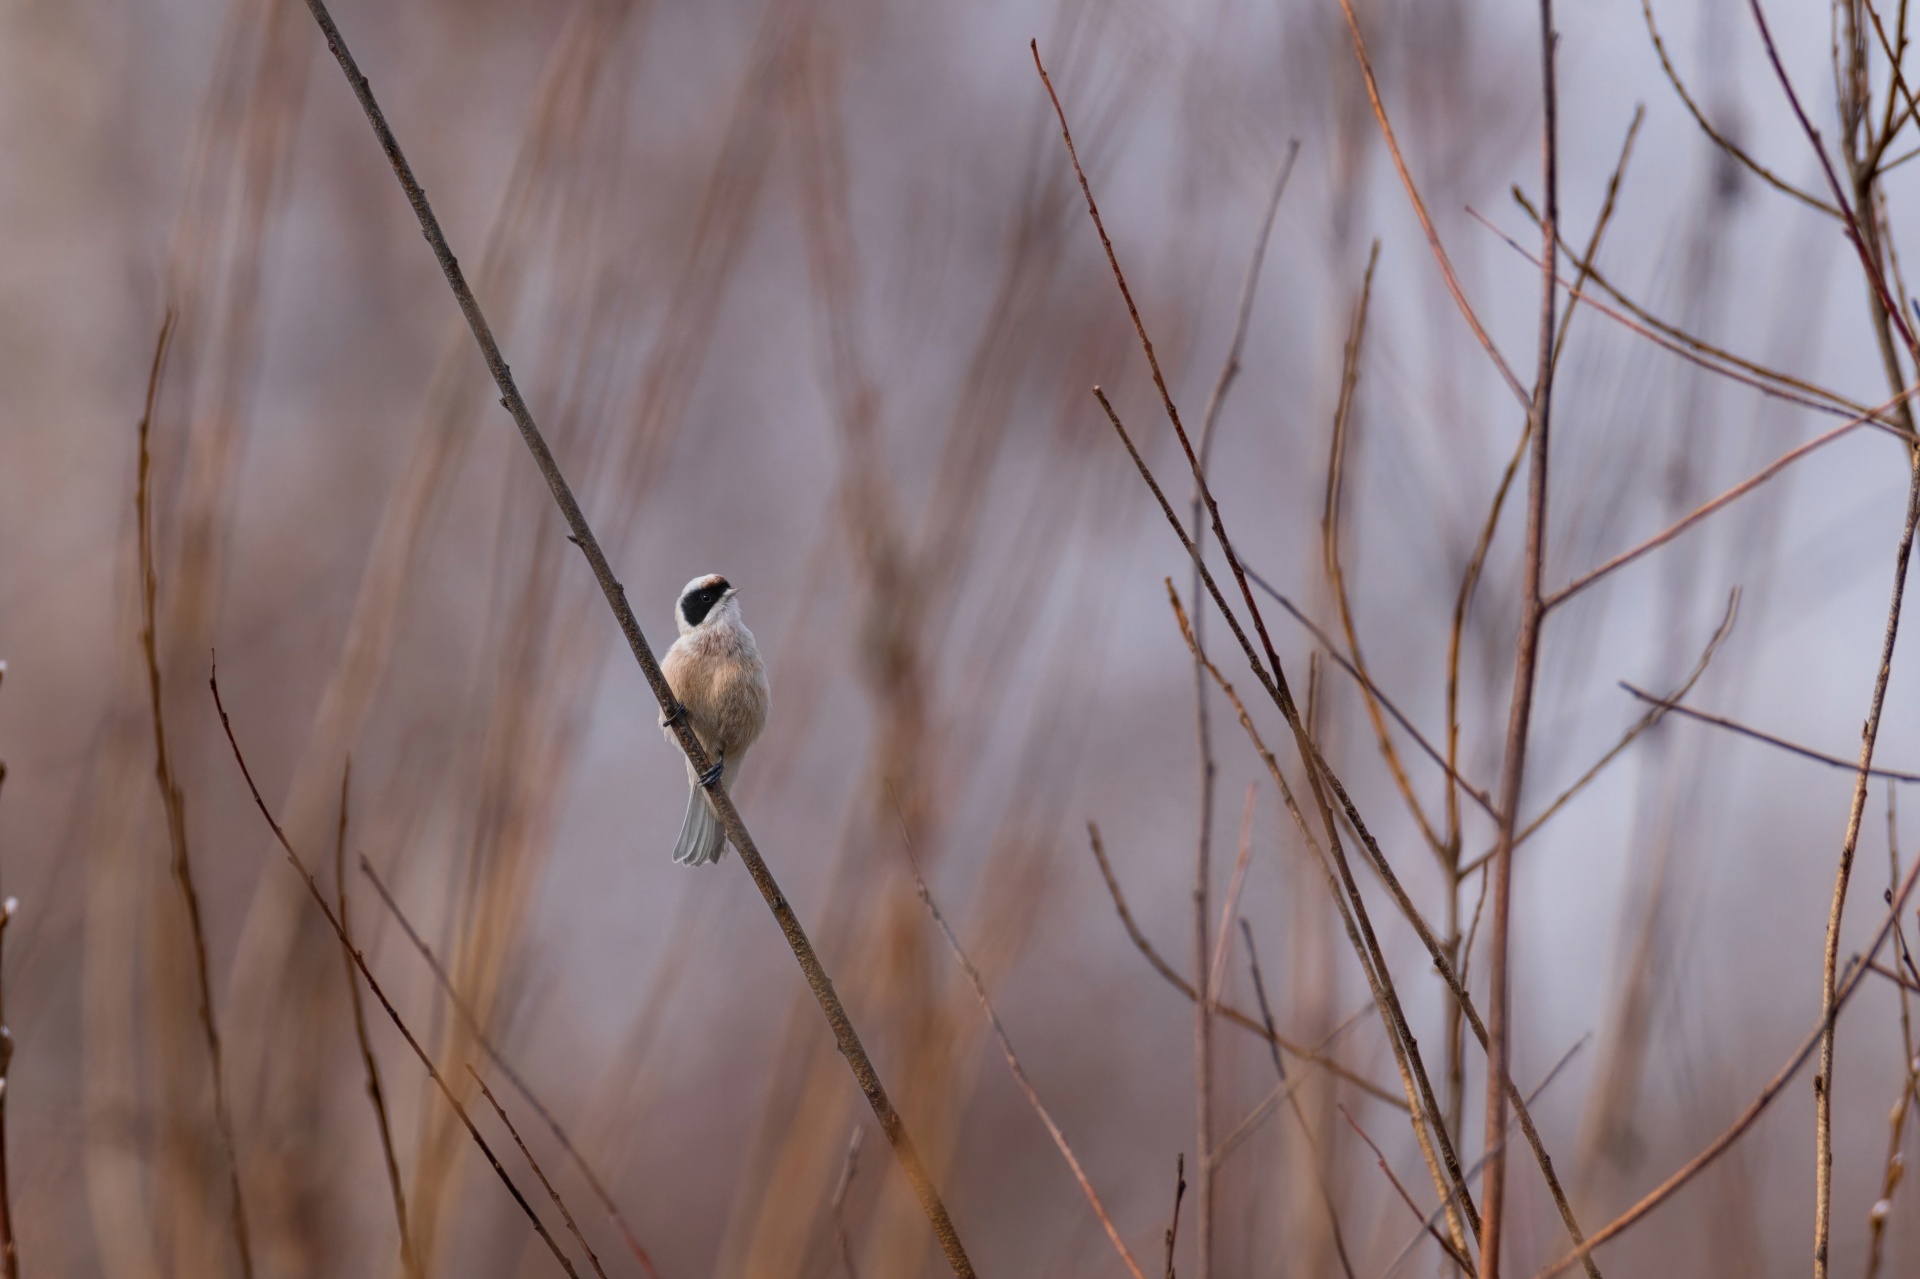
712 775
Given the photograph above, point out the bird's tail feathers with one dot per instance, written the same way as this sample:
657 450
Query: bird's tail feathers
702 838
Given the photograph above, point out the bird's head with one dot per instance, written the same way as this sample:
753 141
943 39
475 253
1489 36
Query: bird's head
703 600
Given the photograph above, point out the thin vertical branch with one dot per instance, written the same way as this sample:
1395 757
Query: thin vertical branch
1203 1009
1179 1193
9 1247
175 803
373 983
1830 1007
1320 774
1428 1129
581 535
837 1206
1293 1101
1223 937
376 1093
1894 1168
1526 659
1203 731
1331 523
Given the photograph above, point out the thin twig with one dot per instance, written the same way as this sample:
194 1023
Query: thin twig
1179 1193
1893 1169
1805 752
1745 1121
1331 522
1638 727
1216 971
1173 978
1694 350
837 1206
1320 774
1708 507
1691 347
1421 1107
573 1227
1473 1168
1493 1191
581 534
1203 729
9 1245
1719 139
373 983
1435 949
175 803
1849 218
1823 1081
1445 1243
376 1094
506 1068
1293 1101
1373 691
1013 1061
1420 211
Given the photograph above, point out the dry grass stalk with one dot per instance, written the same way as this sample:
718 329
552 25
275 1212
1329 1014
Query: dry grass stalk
376 1093
175 804
582 536
373 984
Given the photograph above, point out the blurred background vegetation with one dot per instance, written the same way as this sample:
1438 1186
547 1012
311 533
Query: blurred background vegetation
803 292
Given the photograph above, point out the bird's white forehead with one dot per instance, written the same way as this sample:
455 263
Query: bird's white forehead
709 579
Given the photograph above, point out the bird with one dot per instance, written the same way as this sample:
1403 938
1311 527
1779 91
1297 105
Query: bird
715 672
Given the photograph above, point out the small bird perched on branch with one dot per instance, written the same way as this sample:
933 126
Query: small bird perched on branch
715 671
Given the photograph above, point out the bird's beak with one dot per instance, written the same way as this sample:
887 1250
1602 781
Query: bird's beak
731 592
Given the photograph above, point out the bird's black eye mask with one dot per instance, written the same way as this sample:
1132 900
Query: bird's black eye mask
695 605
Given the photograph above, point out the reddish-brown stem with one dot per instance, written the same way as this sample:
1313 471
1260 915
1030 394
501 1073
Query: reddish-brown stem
1525 663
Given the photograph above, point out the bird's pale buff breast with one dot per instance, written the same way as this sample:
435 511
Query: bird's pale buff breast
718 677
